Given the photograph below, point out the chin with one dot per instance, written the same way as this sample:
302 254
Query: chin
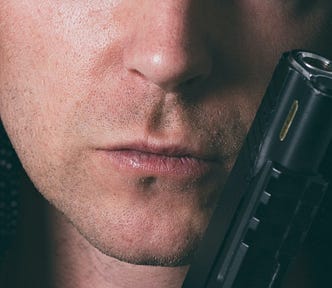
165 256
159 254
155 236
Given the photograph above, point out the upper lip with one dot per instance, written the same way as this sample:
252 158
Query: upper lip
168 150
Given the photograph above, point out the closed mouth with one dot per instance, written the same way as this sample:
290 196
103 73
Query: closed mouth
161 160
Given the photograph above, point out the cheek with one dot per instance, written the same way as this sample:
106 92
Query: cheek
34 79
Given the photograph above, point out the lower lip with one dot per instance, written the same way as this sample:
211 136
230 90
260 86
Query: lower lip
156 164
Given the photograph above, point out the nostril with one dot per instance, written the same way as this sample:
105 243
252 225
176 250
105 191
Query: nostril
136 73
193 80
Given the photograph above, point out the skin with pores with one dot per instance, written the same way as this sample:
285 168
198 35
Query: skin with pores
82 80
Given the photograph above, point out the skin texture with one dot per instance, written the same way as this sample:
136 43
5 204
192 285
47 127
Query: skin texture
78 77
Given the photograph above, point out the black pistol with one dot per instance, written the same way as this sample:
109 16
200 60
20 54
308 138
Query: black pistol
277 184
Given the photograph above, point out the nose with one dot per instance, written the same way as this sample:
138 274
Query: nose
168 46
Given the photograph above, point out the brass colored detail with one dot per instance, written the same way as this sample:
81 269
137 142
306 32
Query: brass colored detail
289 120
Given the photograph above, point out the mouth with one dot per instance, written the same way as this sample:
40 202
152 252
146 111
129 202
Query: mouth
172 160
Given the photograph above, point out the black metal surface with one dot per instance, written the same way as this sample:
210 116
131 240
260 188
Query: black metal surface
233 255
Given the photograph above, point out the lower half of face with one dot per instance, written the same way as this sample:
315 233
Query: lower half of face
130 130
144 200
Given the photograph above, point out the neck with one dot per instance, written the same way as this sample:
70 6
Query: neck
78 264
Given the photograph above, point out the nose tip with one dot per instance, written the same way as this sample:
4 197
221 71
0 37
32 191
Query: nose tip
168 47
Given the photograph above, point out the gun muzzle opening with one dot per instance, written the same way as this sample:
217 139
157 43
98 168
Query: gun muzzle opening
315 62
318 64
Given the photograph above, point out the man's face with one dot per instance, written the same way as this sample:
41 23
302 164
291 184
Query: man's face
127 115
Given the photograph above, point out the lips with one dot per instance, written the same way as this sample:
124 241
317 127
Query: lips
171 160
